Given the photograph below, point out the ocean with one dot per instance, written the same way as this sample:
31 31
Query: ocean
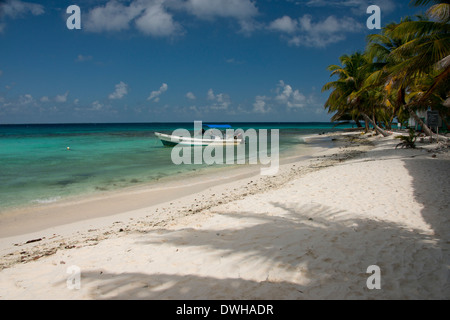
36 166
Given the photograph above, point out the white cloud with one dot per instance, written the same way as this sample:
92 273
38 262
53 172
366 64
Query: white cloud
25 99
243 11
285 96
156 21
96 106
210 95
114 16
83 58
62 98
329 25
220 101
249 26
289 97
155 18
357 7
190 96
149 17
44 99
233 61
120 92
284 24
306 32
207 9
154 95
16 8
260 105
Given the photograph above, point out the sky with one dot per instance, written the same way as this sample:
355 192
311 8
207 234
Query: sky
177 60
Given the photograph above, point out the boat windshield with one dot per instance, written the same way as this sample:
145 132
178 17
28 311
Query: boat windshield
215 130
218 126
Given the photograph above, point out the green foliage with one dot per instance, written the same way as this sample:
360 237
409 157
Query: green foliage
408 141
405 68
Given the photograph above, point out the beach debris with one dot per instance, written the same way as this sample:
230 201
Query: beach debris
34 240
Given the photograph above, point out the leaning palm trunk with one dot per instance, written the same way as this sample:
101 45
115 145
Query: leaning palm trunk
366 126
425 128
375 126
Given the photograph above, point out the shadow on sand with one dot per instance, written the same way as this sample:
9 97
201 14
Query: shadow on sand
307 252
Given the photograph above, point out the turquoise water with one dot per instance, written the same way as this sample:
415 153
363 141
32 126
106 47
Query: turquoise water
36 166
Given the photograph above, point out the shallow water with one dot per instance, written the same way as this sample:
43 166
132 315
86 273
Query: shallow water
36 167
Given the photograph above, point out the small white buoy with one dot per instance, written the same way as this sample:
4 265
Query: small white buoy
68 148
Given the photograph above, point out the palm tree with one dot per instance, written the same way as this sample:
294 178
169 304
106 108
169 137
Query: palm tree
346 98
405 68
428 52
438 98
439 11
338 100
392 69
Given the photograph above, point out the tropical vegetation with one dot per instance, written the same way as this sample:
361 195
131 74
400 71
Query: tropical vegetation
408 141
404 69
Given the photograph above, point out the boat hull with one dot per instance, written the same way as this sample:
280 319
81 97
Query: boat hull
171 141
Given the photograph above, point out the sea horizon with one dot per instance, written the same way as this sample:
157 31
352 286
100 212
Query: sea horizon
156 122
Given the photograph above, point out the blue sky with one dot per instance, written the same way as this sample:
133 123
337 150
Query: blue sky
176 60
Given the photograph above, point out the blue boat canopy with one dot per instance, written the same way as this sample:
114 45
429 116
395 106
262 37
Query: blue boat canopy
217 125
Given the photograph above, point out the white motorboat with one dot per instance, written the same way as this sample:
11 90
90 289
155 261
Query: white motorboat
171 140
200 140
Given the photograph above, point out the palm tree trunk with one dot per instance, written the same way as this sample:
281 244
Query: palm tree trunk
425 128
375 126
389 124
366 126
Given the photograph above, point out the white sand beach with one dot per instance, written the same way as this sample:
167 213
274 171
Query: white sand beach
310 232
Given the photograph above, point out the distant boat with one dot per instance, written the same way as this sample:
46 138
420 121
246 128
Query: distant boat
172 140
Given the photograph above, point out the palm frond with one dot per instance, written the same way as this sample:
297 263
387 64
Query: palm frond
418 3
440 12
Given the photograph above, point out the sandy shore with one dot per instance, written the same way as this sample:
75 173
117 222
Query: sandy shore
310 232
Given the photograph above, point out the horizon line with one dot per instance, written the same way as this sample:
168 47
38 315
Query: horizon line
72 123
